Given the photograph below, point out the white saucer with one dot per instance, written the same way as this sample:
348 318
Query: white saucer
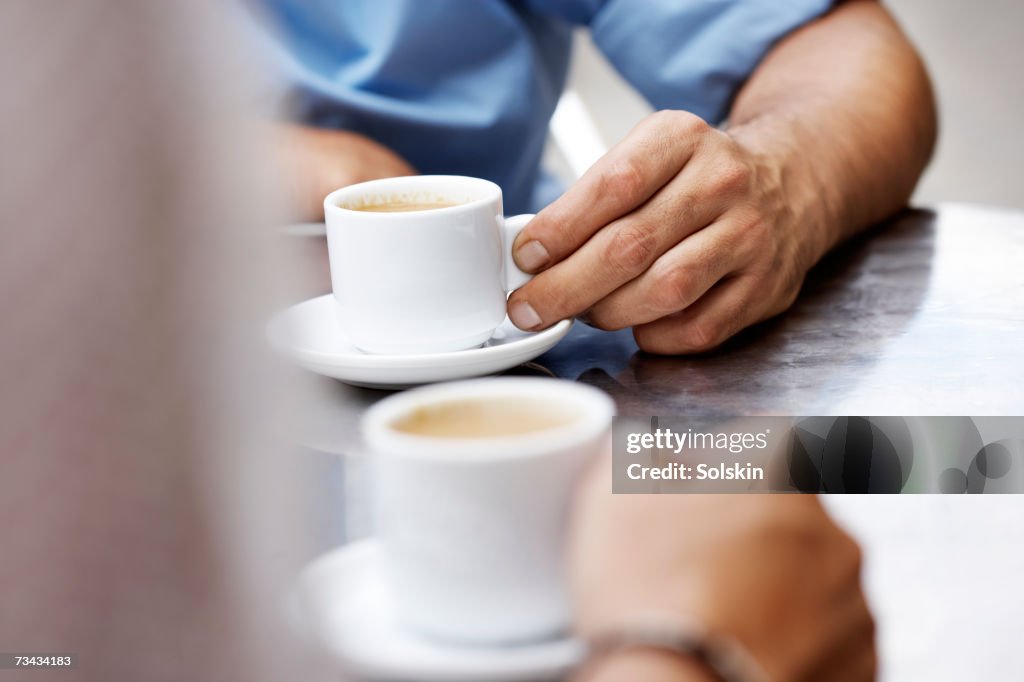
311 334
342 601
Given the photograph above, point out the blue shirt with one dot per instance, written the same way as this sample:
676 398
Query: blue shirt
467 87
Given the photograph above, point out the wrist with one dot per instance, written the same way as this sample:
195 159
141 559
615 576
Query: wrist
785 156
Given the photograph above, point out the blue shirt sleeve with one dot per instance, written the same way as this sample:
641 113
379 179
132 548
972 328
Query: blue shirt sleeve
688 54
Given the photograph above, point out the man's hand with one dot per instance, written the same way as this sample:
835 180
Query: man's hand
771 571
318 161
688 234
680 231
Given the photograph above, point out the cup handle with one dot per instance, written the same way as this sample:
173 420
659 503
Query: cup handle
513 277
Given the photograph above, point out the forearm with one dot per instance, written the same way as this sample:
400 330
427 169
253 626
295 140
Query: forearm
844 106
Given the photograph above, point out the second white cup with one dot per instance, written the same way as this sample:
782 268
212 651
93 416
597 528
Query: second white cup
472 486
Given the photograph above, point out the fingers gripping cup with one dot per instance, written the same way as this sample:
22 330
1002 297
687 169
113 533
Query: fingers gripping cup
421 264
472 484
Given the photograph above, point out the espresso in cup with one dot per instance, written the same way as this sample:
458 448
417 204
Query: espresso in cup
485 418
411 278
472 484
399 206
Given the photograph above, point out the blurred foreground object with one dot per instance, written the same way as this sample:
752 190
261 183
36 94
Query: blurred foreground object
771 571
141 490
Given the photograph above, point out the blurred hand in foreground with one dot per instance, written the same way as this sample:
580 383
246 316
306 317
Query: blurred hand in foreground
772 572
318 161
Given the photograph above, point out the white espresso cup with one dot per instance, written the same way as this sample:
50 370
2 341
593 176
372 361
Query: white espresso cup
472 527
422 281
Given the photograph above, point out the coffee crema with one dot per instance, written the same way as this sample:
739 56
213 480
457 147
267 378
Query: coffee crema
485 418
398 206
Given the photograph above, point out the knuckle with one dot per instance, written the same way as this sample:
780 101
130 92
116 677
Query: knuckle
630 249
673 289
622 182
784 288
730 177
665 118
684 120
704 335
789 296
695 124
